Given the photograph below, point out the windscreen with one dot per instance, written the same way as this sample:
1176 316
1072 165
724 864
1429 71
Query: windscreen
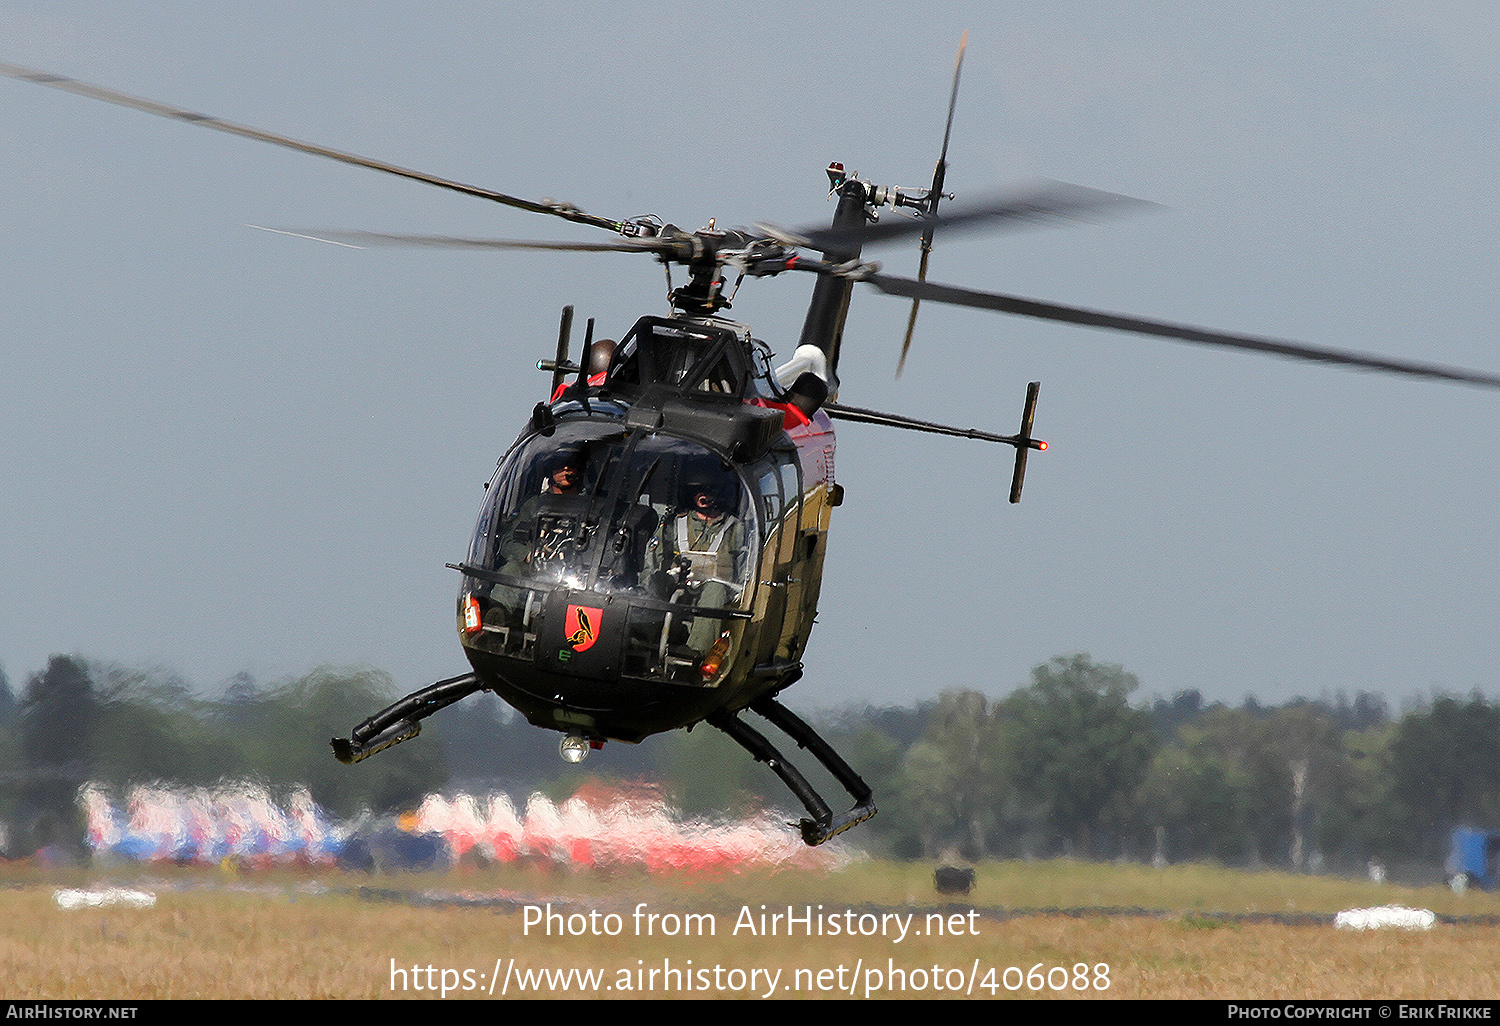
593 507
598 511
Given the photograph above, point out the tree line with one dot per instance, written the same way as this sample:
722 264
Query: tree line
1070 763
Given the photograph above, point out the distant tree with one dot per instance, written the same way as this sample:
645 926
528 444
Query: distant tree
927 795
879 759
1270 784
1367 822
241 695
10 709
285 737
1244 740
953 777
904 725
1184 708
149 727
1365 711
1074 745
1445 772
483 746
706 774
1306 752
10 759
1198 796
58 713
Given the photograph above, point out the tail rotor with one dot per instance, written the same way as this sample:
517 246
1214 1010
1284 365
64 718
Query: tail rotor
934 196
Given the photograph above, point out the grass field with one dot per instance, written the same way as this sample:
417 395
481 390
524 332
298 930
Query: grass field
284 935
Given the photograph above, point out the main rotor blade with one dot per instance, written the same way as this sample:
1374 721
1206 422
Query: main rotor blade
564 210
1025 207
360 239
906 287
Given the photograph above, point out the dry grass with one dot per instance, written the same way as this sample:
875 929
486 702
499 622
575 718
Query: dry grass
284 939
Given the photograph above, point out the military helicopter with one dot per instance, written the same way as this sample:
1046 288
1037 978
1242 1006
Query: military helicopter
650 550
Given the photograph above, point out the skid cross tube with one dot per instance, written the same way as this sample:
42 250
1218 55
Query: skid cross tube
823 825
400 721
794 727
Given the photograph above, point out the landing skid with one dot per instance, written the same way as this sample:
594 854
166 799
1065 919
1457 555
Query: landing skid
824 824
400 722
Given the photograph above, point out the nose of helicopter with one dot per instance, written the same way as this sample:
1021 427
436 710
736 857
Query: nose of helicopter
602 664
582 633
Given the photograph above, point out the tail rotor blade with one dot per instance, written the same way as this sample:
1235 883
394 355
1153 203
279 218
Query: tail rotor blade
911 321
934 196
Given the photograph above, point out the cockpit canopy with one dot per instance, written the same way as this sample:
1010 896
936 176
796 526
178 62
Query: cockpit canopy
597 508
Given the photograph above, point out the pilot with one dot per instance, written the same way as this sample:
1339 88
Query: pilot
700 550
565 474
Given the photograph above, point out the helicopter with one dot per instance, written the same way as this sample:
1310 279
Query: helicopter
650 550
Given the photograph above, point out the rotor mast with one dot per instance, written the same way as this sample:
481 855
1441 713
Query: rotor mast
858 203
824 325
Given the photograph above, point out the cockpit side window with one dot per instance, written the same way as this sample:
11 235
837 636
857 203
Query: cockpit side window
791 493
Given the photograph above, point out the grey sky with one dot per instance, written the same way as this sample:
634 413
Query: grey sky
227 450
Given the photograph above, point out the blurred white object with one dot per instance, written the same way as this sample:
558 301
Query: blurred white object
109 896
1386 916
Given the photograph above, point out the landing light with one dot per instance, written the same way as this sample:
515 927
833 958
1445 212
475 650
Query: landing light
574 748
